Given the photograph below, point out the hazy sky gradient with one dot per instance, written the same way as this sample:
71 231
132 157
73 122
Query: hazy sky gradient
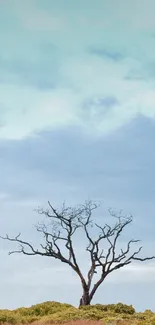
77 121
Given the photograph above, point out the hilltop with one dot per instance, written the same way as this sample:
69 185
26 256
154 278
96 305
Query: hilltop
52 312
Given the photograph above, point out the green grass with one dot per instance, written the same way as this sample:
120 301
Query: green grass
55 312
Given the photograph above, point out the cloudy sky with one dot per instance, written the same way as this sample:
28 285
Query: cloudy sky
77 121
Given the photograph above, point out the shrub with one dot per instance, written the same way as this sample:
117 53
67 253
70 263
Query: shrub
116 308
62 316
43 309
55 312
8 317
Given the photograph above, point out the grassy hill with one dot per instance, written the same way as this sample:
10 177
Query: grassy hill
55 312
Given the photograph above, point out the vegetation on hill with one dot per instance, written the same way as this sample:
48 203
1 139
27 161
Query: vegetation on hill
55 312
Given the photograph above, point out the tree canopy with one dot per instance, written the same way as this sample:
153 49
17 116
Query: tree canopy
102 240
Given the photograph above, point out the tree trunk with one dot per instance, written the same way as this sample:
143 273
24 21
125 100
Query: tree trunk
85 299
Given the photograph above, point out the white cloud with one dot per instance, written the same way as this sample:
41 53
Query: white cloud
25 110
29 110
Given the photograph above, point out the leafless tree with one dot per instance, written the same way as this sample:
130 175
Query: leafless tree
103 250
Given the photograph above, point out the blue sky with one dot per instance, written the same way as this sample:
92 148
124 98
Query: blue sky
77 121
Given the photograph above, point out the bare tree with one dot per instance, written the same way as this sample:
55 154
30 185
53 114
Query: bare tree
58 243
